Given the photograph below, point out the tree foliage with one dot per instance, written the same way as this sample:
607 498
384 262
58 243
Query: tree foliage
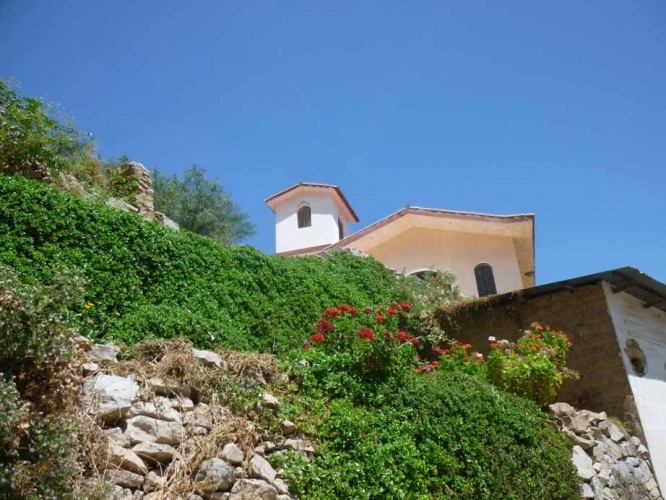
200 205
31 134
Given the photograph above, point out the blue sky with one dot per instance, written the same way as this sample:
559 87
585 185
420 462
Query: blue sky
556 108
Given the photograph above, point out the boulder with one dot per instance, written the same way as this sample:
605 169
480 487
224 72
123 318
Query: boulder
214 475
154 482
287 427
304 445
124 478
146 429
160 408
155 452
253 489
116 435
261 469
209 358
560 410
270 400
125 459
109 396
104 352
233 454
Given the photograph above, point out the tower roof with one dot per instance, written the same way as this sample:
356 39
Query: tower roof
272 201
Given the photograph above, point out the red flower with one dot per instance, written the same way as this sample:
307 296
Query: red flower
405 306
353 311
317 337
367 310
331 312
307 345
324 326
391 312
403 337
344 307
380 318
414 341
365 333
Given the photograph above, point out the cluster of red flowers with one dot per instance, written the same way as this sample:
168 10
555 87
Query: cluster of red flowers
365 333
332 312
349 310
380 318
317 337
404 337
324 327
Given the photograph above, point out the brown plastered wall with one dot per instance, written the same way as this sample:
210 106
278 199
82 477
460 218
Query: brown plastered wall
582 314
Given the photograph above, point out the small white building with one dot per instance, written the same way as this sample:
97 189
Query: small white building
487 253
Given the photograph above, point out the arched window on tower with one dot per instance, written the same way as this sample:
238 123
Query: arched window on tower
485 281
304 216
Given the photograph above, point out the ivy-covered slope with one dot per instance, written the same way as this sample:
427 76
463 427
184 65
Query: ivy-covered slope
147 281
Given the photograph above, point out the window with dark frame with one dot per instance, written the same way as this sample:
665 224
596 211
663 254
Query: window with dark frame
341 230
304 216
485 280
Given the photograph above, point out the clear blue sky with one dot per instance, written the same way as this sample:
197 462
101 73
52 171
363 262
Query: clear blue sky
557 108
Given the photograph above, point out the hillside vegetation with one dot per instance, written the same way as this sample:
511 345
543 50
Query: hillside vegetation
145 281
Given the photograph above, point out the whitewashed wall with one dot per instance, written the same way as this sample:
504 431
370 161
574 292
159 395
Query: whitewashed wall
324 228
648 328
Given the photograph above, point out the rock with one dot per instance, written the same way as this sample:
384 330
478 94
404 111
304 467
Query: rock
628 449
306 446
120 493
592 417
560 410
183 404
126 459
611 430
576 423
219 495
253 489
270 400
214 475
154 482
109 396
121 205
146 429
155 452
163 388
108 352
163 220
642 452
124 478
586 491
613 451
586 474
195 430
261 469
586 444
283 497
116 435
198 419
143 197
160 409
581 459
209 358
233 454
287 427
89 368
281 487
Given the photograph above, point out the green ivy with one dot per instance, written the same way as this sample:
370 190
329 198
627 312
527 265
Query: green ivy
145 281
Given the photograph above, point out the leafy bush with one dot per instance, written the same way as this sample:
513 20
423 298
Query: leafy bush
146 281
40 441
425 294
200 205
30 134
534 366
433 434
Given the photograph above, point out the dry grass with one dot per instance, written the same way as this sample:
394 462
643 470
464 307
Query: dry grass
261 368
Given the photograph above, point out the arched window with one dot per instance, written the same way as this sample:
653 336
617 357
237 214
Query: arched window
304 216
341 230
485 281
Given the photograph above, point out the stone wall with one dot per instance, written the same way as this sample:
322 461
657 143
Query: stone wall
582 313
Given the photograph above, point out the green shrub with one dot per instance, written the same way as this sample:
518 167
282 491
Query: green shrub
534 366
389 426
40 440
146 281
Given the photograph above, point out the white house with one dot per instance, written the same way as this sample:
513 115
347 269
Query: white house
488 253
